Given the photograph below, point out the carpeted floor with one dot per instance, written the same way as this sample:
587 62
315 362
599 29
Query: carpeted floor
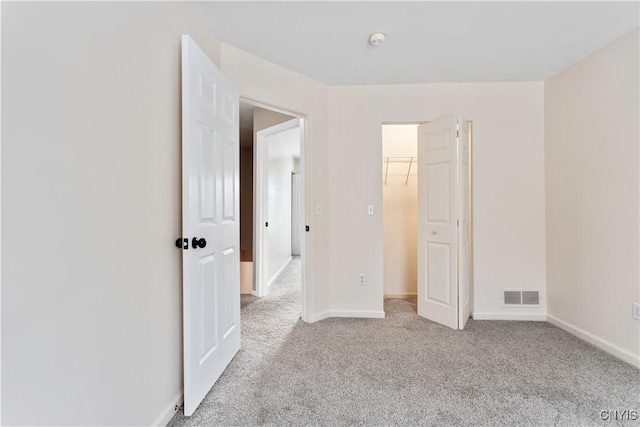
405 370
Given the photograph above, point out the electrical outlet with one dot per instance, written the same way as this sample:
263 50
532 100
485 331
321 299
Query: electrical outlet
361 280
636 310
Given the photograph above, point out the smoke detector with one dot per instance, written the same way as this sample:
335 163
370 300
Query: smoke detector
376 39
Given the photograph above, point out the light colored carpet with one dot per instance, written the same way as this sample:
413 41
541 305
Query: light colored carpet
405 370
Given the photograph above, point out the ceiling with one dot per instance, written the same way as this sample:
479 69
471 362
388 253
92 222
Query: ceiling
426 41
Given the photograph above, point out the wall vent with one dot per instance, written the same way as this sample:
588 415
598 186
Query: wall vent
521 298
512 298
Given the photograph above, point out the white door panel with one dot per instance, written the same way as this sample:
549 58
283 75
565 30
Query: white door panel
438 192
210 180
438 272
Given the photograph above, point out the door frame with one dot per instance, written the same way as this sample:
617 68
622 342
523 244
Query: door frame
259 170
471 269
471 223
295 197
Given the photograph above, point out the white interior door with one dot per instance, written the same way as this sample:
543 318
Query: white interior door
464 249
438 210
296 215
210 223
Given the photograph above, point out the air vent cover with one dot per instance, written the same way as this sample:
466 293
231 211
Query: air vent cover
530 298
512 298
520 298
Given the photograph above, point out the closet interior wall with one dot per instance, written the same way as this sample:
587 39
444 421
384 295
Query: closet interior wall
400 209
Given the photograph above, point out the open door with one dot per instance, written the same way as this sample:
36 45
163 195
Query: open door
464 225
443 279
210 223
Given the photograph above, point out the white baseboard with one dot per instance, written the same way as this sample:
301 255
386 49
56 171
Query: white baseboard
169 411
319 316
278 273
357 313
401 296
537 317
347 313
602 344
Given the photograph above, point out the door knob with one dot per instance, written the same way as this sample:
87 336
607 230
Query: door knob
182 243
195 243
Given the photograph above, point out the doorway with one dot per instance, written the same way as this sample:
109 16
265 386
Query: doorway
427 217
272 214
400 210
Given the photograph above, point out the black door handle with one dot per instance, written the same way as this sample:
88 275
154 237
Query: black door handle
195 243
182 243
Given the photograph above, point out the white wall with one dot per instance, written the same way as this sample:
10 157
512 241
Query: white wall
508 184
400 211
91 195
265 82
281 148
592 197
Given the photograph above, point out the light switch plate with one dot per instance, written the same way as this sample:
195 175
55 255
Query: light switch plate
370 210
318 209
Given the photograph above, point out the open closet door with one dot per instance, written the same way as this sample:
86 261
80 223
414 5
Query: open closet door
210 214
439 240
464 246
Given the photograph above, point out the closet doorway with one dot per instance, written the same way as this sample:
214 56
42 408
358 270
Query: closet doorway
400 210
427 217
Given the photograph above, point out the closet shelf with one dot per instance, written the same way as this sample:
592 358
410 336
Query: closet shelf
387 160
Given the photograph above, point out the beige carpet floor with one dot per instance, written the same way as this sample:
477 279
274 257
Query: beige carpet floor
405 370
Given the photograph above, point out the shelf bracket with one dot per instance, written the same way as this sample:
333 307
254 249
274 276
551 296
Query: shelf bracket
386 170
406 181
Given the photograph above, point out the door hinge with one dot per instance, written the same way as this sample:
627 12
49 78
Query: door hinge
458 133
457 223
306 228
